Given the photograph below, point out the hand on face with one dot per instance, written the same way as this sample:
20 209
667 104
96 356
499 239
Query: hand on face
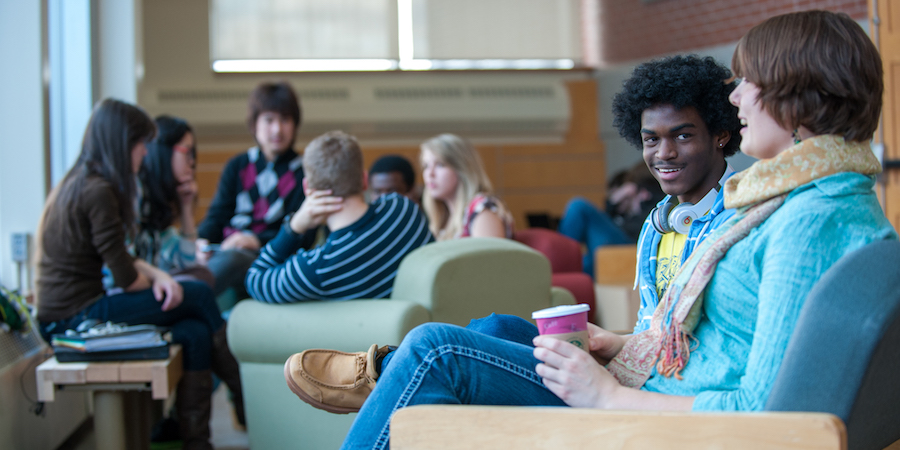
315 210
187 193
628 198
573 374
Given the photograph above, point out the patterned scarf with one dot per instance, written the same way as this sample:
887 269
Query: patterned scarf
757 193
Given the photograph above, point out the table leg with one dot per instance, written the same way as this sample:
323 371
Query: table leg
138 422
109 419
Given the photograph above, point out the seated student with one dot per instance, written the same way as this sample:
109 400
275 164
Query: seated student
393 173
718 339
676 110
86 222
680 104
632 194
360 257
256 191
168 196
458 194
166 233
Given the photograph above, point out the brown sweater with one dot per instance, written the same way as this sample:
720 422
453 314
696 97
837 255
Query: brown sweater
70 274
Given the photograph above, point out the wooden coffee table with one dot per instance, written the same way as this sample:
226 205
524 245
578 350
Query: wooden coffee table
123 393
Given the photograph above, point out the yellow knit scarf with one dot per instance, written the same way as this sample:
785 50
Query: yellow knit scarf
811 159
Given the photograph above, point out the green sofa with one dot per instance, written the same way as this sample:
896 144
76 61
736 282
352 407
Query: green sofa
452 282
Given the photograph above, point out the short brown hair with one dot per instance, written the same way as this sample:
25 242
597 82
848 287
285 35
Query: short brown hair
334 161
817 69
277 97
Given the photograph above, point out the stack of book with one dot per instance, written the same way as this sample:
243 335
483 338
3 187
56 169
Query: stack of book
111 342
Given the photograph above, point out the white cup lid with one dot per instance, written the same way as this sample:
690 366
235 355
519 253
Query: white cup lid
559 311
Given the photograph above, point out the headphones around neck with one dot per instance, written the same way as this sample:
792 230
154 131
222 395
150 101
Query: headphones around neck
678 217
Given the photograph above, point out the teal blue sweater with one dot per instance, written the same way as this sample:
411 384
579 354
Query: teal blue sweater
754 299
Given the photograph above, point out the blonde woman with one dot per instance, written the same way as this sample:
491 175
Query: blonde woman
458 195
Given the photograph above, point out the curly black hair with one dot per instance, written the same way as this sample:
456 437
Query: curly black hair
395 163
680 81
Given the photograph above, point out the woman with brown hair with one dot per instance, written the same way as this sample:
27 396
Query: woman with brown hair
86 223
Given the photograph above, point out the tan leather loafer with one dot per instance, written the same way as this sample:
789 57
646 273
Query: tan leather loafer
337 382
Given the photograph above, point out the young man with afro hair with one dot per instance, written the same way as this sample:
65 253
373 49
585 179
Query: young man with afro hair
677 111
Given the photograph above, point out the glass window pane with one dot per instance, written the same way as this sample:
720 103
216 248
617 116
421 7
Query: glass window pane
303 29
496 29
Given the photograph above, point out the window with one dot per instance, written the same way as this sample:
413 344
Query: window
360 35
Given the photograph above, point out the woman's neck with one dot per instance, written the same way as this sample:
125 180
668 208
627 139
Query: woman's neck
451 205
450 208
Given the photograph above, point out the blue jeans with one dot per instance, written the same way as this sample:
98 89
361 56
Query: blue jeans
588 225
504 326
192 323
440 363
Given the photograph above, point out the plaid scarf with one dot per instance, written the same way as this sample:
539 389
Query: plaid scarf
757 193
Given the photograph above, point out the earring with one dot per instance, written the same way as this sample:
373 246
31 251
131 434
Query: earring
721 145
796 136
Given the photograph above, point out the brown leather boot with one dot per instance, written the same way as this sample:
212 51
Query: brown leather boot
334 381
193 401
226 368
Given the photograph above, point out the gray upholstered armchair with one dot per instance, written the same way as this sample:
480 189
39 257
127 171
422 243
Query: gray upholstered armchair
451 282
837 388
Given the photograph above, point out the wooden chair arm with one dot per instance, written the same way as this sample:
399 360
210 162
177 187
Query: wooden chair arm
426 427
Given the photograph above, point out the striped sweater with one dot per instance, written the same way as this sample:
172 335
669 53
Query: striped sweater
358 261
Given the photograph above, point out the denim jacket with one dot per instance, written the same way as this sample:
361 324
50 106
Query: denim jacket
648 245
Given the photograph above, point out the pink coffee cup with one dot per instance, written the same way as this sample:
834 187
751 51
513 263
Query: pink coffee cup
566 322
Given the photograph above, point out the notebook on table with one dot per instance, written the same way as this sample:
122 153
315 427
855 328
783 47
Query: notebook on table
111 342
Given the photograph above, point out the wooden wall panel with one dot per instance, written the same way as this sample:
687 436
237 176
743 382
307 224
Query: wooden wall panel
551 172
585 115
568 148
521 204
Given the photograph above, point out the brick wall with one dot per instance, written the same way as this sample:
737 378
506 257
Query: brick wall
637 29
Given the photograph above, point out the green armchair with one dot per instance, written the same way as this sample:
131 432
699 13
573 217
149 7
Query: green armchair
452 282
